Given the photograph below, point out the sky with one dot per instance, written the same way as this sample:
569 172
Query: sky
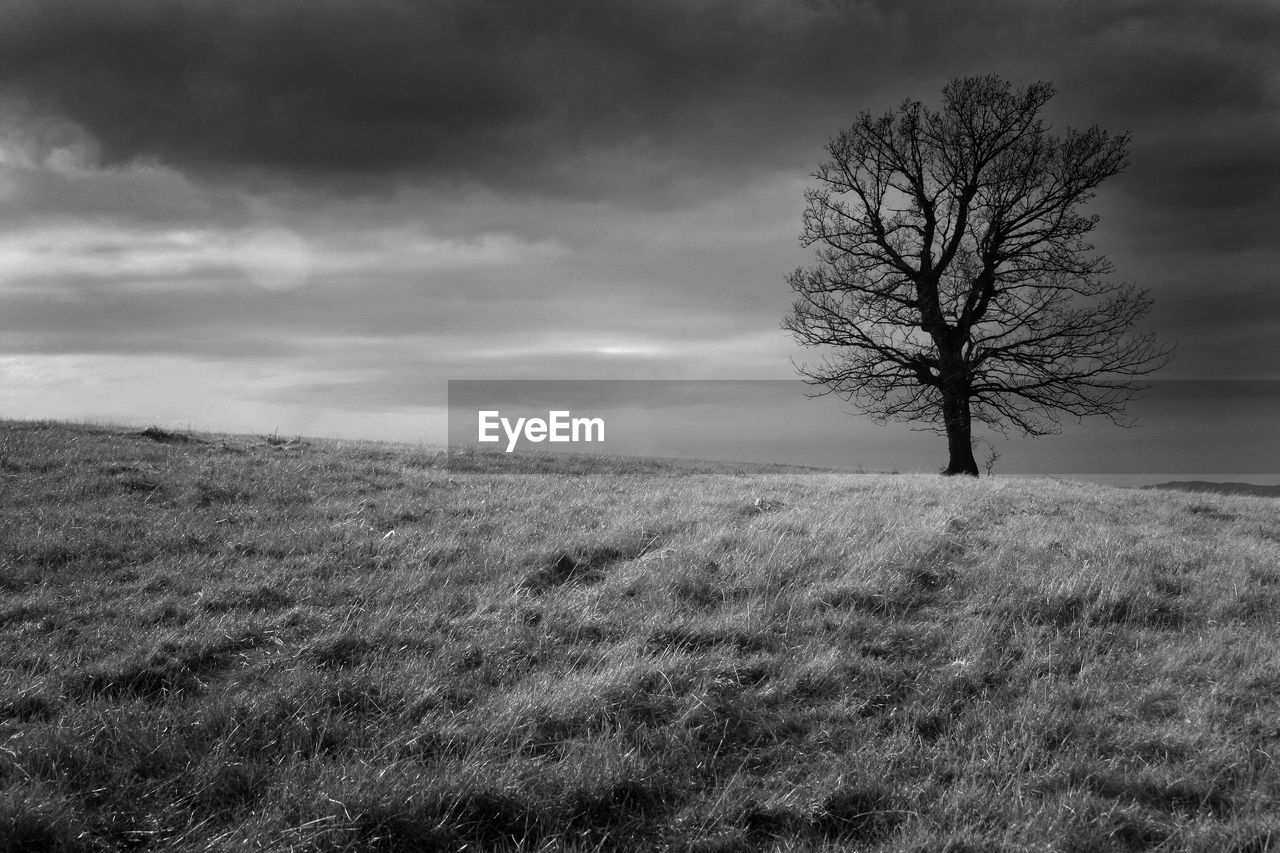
306 217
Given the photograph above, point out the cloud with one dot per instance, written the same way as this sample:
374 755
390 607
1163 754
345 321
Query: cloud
588 100
30 139
372 196
77 254
557 96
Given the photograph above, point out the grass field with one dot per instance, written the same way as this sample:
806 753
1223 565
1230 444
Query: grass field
230 643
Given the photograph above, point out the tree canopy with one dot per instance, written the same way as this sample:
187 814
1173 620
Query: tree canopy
954 279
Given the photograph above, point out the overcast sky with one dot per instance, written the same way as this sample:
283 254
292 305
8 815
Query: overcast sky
307 216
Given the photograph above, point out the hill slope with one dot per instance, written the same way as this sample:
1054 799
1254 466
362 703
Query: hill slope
231 644
1220 488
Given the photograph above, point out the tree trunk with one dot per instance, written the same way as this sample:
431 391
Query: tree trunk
955 404
955 414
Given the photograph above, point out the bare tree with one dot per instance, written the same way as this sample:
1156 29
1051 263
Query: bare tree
953 273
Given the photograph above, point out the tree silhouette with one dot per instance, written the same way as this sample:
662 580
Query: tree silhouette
953 275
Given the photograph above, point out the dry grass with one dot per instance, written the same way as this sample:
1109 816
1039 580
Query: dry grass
229 644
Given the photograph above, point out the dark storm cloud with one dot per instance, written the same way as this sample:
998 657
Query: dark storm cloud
486 90
542 95
589 98
1198 86
572 96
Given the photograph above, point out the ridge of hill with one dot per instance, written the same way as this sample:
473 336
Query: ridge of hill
1219 488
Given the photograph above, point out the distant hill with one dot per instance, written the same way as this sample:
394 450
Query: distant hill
1220 488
